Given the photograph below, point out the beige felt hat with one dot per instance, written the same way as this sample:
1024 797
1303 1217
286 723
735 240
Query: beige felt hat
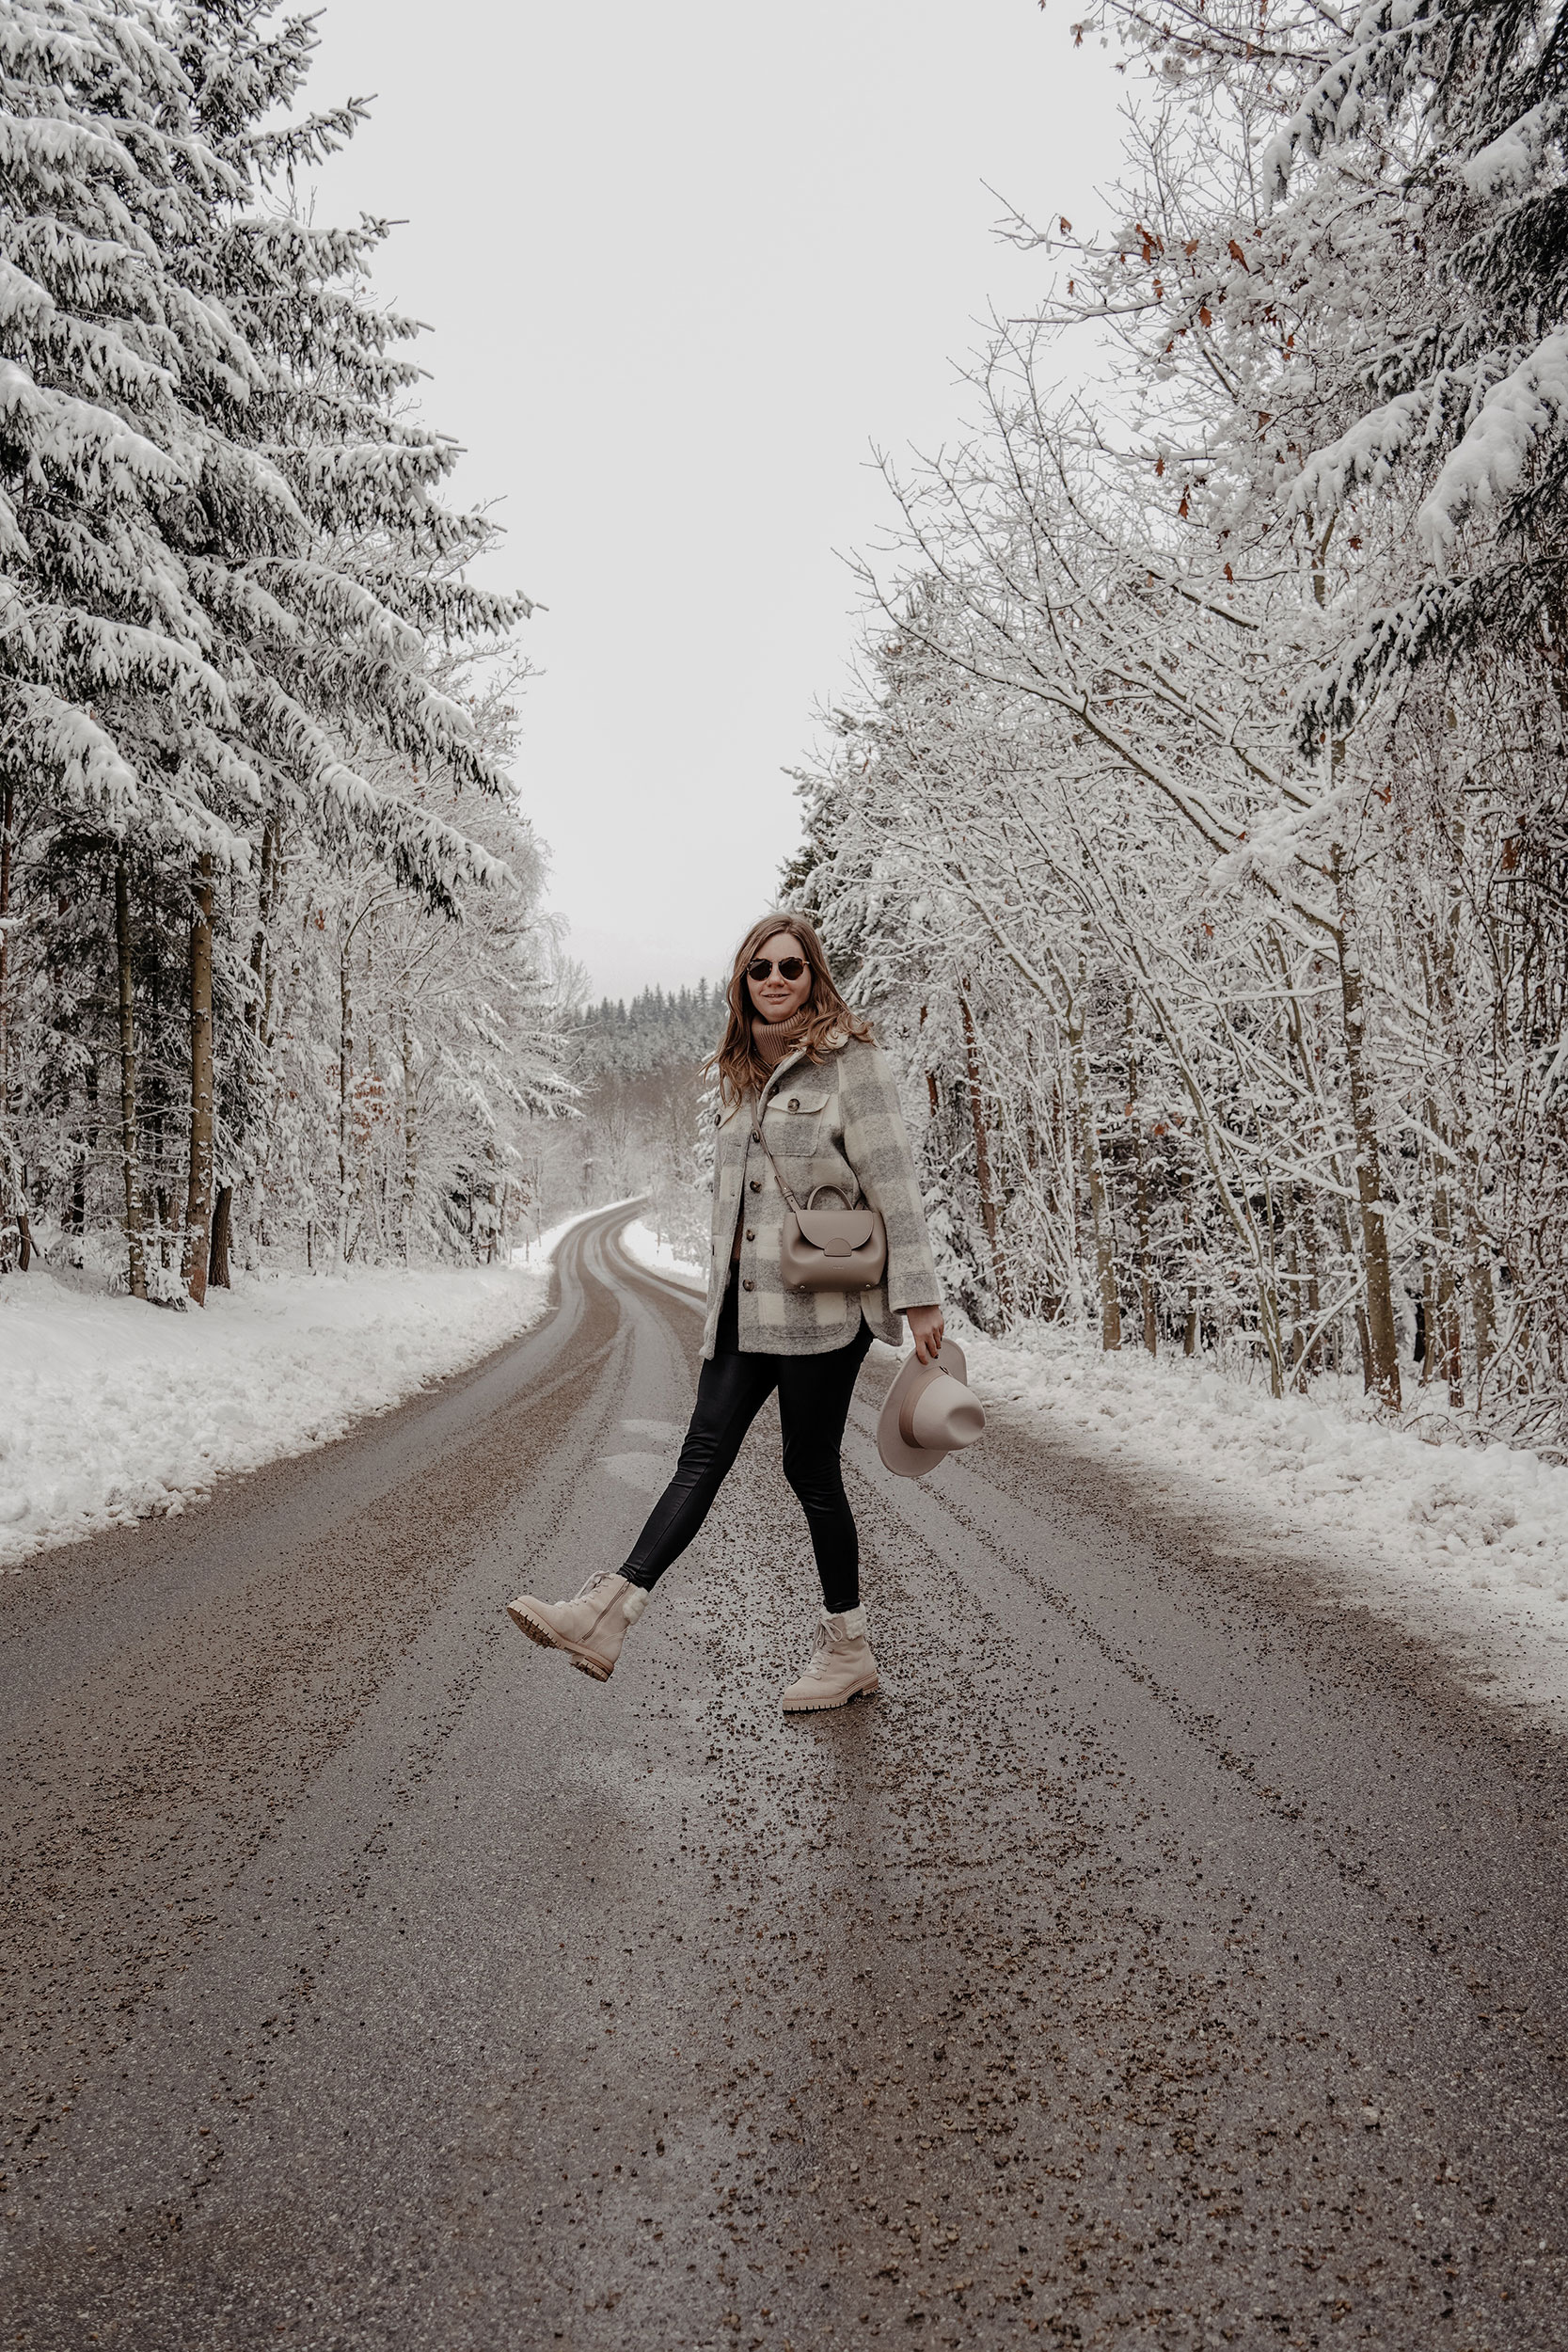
929 1413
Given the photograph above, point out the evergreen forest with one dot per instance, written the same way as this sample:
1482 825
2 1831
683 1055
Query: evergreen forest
272 973
1192 824
638 1124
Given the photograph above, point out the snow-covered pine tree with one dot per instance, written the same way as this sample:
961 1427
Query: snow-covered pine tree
229 574
1445 128
93 443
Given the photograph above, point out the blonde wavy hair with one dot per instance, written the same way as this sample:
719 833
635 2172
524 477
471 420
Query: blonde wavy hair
830 1023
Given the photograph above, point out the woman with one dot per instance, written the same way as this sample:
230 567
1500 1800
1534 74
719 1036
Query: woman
800 1081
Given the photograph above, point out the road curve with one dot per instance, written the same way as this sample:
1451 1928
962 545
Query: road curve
1167 1957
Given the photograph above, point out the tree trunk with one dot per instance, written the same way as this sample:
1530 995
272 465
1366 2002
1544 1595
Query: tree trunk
1094 1171
370 1103
1316 1347
261 958
154 1115
1315 1292
1477 1270
982 1164
1190 1335
1140 1194
410 1143
1483 1301
345 1085
1382 1338
1443 1349
13 1203
76 1211
85 1146
13 1216
217 1254
136 1257
198 1194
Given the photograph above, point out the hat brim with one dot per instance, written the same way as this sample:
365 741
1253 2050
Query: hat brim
898 1455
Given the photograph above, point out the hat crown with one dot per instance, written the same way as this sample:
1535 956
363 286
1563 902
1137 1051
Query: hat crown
940 1415
928 1413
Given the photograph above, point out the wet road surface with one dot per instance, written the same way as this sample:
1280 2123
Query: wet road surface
1168 1955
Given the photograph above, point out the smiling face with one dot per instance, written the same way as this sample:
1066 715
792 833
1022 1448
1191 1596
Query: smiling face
776 998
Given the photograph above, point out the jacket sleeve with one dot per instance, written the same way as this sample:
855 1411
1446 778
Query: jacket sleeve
877 1147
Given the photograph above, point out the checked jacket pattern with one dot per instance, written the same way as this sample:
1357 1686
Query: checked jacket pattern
838 1121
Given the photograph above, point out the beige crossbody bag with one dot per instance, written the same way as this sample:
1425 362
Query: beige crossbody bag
826 1249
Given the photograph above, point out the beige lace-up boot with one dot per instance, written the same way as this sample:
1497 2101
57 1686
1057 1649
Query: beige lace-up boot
590 1629
841 1666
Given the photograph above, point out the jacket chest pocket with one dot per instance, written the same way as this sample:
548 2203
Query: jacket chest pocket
795 1119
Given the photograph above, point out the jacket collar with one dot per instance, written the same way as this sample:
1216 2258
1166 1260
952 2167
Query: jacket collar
789 1063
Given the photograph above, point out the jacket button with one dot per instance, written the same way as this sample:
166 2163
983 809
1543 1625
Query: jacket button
756 1183
718 1118
751 1233
747 1286
794 1102
756 1135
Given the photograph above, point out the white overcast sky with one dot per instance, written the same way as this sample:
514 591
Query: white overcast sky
683 263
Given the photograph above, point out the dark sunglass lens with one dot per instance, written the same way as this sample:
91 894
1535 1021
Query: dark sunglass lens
758 970
790 967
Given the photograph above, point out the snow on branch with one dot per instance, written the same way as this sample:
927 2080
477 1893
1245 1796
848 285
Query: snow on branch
61 740
1491 460
1509 164
79 437
1379 54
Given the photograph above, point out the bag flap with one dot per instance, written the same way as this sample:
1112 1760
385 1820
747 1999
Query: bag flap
837 1231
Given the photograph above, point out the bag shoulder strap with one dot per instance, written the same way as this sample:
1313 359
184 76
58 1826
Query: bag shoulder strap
760 1131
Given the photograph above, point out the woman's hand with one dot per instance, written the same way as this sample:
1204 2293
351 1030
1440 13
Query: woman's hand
925 1330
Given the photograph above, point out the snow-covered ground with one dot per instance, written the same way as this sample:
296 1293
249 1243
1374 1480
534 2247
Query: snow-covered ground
1466 1543
110 1409
645 1245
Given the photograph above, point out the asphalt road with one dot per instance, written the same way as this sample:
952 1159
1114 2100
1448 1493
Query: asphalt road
1167 1956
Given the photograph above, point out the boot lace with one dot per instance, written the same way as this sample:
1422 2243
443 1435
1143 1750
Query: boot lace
822 1657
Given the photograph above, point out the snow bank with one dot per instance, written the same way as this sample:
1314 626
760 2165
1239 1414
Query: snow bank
647 1248
543 1247
110 1409
1466 1539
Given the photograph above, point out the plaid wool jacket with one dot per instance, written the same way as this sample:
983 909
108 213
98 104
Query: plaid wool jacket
838 1123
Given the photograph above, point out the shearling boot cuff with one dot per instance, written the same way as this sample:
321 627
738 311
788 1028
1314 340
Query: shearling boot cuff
853 1621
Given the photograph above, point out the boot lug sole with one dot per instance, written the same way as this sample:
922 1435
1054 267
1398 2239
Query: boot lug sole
825 1707
538 1632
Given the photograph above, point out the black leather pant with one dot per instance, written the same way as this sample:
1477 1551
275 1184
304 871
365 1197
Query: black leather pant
813 1406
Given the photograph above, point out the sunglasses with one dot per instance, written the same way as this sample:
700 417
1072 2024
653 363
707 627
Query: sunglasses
790 967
